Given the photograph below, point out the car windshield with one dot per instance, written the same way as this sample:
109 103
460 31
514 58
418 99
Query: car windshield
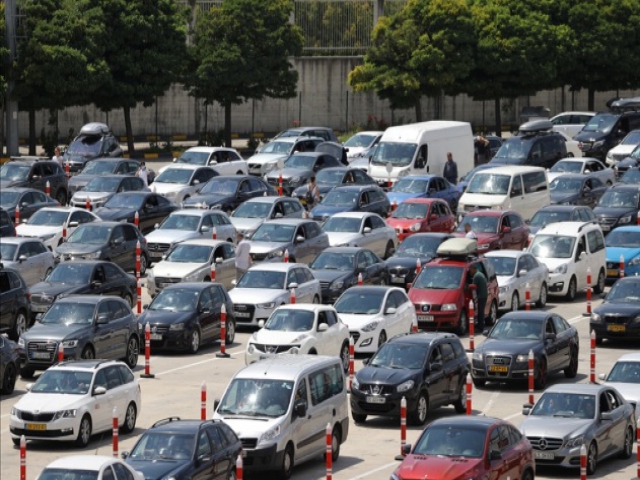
334 261
68 474
253 210
128 201
625 372
516 329
97 167
175 300
221 186
567 166
194 158
636 152
568 405
619 199
397 154
400 356
158 446
489 183
437 277
504 266
90 234
357 302
630 176
290 320
417 246
566 185
303 162
68 313
7 251
480 223
341 198
552 246
63 381
103 184
262 279
274 232
342 224
277 147
479 168
633 138
256 397
452 441
514 151
181 222
360 140
330 177
85 145
410 185
13 172
190 254
175 175
602 122
411 210
48 218
622 238
8 200
71 273
543 218
625 292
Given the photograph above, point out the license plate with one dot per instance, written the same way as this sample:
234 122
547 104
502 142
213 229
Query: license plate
616 328
156 336
499 368
155 254
612 273
243 314
38 308
543 455
425 318
605 228
36 426
397 280
376 400
41 355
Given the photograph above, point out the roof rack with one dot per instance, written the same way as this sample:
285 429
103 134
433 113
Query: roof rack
590 222
164 421
458 247
625 104
535 127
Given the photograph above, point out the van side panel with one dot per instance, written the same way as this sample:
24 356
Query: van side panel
460 146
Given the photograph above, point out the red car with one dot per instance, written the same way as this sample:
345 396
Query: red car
466 447
441 292
422 215
496 230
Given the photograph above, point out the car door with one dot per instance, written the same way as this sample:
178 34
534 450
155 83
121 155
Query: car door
519 231
304 292
374 267
302 249
7 301
150 214
257 188
325 343
516 195
209 314
452 371
527 275
224 229
406 312
380 232
102 286
304 430
204 465
101 410
43 258
103 336
511 455
221 457
581 265
435 377
116 390
552 346
36 179
618 418
563 339
604 428
120 322
369 238
118 249
29 266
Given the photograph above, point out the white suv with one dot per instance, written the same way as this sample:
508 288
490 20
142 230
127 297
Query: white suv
225 161
568 250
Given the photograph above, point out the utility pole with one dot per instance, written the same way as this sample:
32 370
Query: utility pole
11 105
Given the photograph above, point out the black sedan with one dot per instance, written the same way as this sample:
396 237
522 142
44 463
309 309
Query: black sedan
338 268
576 189
631 176
228 192
184 315
181 449
151 207
333 177
618 206
419 247
95 277
504 355
9 365
616 317
30 201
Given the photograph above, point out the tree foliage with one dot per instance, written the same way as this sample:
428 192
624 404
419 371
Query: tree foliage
4 53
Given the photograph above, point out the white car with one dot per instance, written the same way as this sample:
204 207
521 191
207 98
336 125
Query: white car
225 161
255 211
179 182
515 270
361 143
300 329
94 467
265 287
573 149
190 261
585 166
279 149
571 123
184 225
48 223
624 148
362 229
72 401
374 314
568 249
625 377
30 257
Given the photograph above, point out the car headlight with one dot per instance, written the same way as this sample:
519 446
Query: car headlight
251 349
461 206
449 307
337 285
562 269
415 227
192 277
406 386
270 166
477 356
522 358
634 261
217 206
598 144
300 338
503 290
176 327
575 442
21 342
275 254
355 384
295 179
268 306
270 434
625 219
94 254
404 173
595 318
70 344
370 327
44 238
484 246
65 414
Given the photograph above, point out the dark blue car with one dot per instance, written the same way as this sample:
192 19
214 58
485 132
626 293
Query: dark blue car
360 198
424 186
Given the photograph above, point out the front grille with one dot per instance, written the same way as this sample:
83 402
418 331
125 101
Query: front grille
249 443
163 281
585 146
258 257
324 285
399 271
607 220
273 349
158 247
37 350
244 313
617 319
498 360
41 299
37 417
275 181
548 443
372 389
159 328
423 308
255 168
355 336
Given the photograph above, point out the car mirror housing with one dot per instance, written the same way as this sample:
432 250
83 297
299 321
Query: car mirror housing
323 327
99 391
522 273
526 409
436 367
366 230
606 416
102 319
22 258
261 323
293 285
390 311
299 239
73 224
300 408
602 376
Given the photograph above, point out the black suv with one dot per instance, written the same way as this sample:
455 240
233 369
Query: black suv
618 207
428 369
7 228
15 310
35 173
536 144
95 140
186 449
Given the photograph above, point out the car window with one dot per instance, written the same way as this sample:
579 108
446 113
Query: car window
515 220
39 197
322 318
516 186
534 182
310 231
256 185
245 187
5 286
113 377
218 295
130 233
229 435
331 317
207 221
122 472
360 176
371 258
391 302
215 439
103 309
307 275
549 328
604 403
447 352
505 437
228 251
125 374
204 447
458 349
558 323
435 356
107 473
118 310
377 222
206 300
112 273
325 383
494 440
400 298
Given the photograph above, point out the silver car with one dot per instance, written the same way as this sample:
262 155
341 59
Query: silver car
516 269
585 166
571 415
625 377
30 256
301 238
255 211
101 189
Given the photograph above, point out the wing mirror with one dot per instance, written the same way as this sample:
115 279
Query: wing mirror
96 284
602 376
606 416
293 285
436 367
216 404
156 226
366 230
526 409
506 229
260 323
219 260
102 319
73 224
175 160
583 255
22 258
550 336
124 455
365 361
117 241
195 182
434 216
99 391
390 311
29 387
300 408
323 327
299 239
277 215
522 273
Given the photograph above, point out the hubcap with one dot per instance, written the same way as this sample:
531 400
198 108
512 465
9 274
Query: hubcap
133 351
422 409
231 333
592 458
195 340
85 431
131 417
287 461
143 264
543 296
334 444
514 303
88 354
345 358
21 324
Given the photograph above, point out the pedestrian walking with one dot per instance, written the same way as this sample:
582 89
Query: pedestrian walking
243 255
142 173
480 282
450 171
57 156
313 193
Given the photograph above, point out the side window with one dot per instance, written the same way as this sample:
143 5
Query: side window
307 275
288 208
400 297
364 198
447 352
371 258
229 434
228 250
377 222
125 374
130 233
435 356
534 182
113 377
301 391
218 296
112 273
245 187
604 403
207 220
536 151
256 185
591 240
5 286
330 318
549 328
121 472
515 221
558 323
458 349
391 302
361 261
103 308
360 177
494 440
107 474
15 281
233 155
37 170
309 231
117 310
516 187
204 447
206 300
505 437
100 379
39 197
215 438
424 153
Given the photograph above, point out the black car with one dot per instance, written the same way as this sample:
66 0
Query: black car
616 317
151 207
428 369
618 206
607 129
631 175
94 140
85 327
100 189
536 144
30 201
7 227
338 268
504 355
9 365
183 316
298 168
99 167
330 178
576 189
36 173
228 192
352 198
632 161
94 277
15 310
559 213
420 247
185 450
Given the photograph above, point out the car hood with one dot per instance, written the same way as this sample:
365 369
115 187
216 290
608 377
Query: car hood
622 149
356 322
55 332
56 288
339 238
209 199
420 295
115 213
289 173
246 224
82 195
327 210
248 428
80 180
175 269
400 197
78 248
560 197
157 469
622 309
482 199
613 211
163 188
554 427
436 467
266 157
25 230
403 223
407 262
267 247
48 402
11 183
169 235
629 391
614 253
163 317
589 136
255 295
330 275
509 347
276 337
323 188
553 263
384 376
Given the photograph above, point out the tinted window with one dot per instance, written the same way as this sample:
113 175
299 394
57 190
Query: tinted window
204 447
559 324
216 439
447 352
107 474
325 384
122 472
125 374
534 182
112 273
515 221
113 377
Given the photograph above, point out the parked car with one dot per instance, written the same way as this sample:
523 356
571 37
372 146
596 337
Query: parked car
326 133
279 149
151 208
557 214
255 211
625 378
74 400
180 181
361 229
186 315
99 190
623 149
623 242
421 215
99 467
424 186
94 140
15 310
104 166
329 178
584 166
618 207
35 173
495 230
226 193
631 175
7 228
616 317
576 189
411 366
298 168
360 198
9 365
28 255
361 143
606 129
224 160
464 180
28 200
571 123
301 238
573 147
536 144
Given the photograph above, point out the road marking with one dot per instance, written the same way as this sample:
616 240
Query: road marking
492 399
512 416
194 364
578 319
375 470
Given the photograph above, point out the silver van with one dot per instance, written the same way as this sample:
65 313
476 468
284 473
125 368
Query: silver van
280 408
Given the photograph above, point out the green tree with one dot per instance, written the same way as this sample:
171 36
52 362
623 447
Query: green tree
4 53
241 52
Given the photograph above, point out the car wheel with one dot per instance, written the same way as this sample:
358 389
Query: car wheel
515 302
133 350
527 475
419 414
609 183
27 372
542 301
9 379
572 370
461 403
627 448
194 341
130 418
382 338
61 197
19 326
592 458
477 382
598 288
87 354
287 463
493 314
344 356
143 264
230 334
84 432
129 299
388 251
571 292
358 417
540 376
335 444
463 324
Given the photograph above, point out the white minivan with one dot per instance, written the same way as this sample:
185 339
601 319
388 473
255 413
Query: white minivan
522 189
420 148
280 408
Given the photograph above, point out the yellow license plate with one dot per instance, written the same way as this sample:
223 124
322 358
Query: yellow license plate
612 273
36 426
498 368
616 328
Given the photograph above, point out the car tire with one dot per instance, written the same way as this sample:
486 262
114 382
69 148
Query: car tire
419 415
129 299
515 302
383 281
572 290
194 341
544 293
84 432
359 417
493 314
230 334
130 418
232 475
527 475
461 403
336 440
540 376
133 352
344 356
463 324
627 448
598 288
61 197
88 354
569 155
572 369
287 463
382 338
19 325
388 250
592 458
27 372
143 264
9 379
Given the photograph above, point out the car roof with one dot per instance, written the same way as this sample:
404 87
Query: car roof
185 166
102 223
420 177
356 188
289 221
30 161
19 240
308 307
574 113
134 193
368 289
112 175
277 267
81 462
191 212
344 249
421 338
196 286
567 228
560 208
585 388
210 149
207 242
285 366
308 154
431 235
531 315
85 364
20 189
176 424
94 299
268 199
630 357
629 187
577 176
512 169
424 200
488 213
506 253
464 420
355 215
113 159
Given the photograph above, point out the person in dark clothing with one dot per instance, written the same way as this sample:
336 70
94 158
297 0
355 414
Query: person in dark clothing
482 149
450 171
480 283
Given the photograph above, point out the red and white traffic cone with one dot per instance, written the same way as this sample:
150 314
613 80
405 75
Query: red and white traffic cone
64 232
360 279
293 296
588 312
147 353
280 184
414 325
469 395
531 376
286 256
239 467
403 425
136 220
527 296
17 215
472 327
592 362
223 333
87 205
213 271
203 401
60 352
329 451
47 189
352 367
23 458
139 295
138 254
583 462
214 234
418 267
67 170
621 266
114 432
395 205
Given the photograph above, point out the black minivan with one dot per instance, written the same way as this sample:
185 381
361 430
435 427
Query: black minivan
536 144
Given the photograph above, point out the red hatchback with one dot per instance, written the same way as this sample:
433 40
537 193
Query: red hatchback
496 230
422 215
468 447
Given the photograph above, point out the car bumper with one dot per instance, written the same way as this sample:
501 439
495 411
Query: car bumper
390 407
563 457
257 355
27 361
613 270
365 342
262 458
169 339
59 430
438 320
249 315
515 371
615 331
558 284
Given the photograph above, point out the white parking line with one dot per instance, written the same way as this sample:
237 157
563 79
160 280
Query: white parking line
492 399
183 367
375 470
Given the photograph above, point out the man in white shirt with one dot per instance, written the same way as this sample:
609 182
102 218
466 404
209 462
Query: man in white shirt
470 233
57 156
142 173
243 256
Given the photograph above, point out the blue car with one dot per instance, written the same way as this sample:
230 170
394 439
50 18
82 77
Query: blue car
357 198
424 186
625 242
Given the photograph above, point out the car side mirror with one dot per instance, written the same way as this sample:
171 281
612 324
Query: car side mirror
204 458
22 258
436 367
277 215
28 387
606 416
526 409
528 221
117 241
35 177
434 216
583 255
603 296
260 323
299 239
602 376
300 408
96 284
323 327
293 285
495 455
365 361
99 391
522 273
506 229
102 319
145 306
73 224
24 205
213 162
175 160
156 226
366 230
39 317
219 260
406 449
204 310
550 336
204 228
390 311
195 182
216 404
486 331
124 455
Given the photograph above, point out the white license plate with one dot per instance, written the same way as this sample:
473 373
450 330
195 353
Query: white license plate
543 455
425 318
156 336
41 355
156 254
243 314
38 308
376 400
397 280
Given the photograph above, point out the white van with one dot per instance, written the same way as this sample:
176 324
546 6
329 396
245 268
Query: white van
523 189
420 148
280 408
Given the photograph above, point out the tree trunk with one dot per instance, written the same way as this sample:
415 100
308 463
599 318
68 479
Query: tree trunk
498 116
418 110
592 98
129 130
227 124
33 138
